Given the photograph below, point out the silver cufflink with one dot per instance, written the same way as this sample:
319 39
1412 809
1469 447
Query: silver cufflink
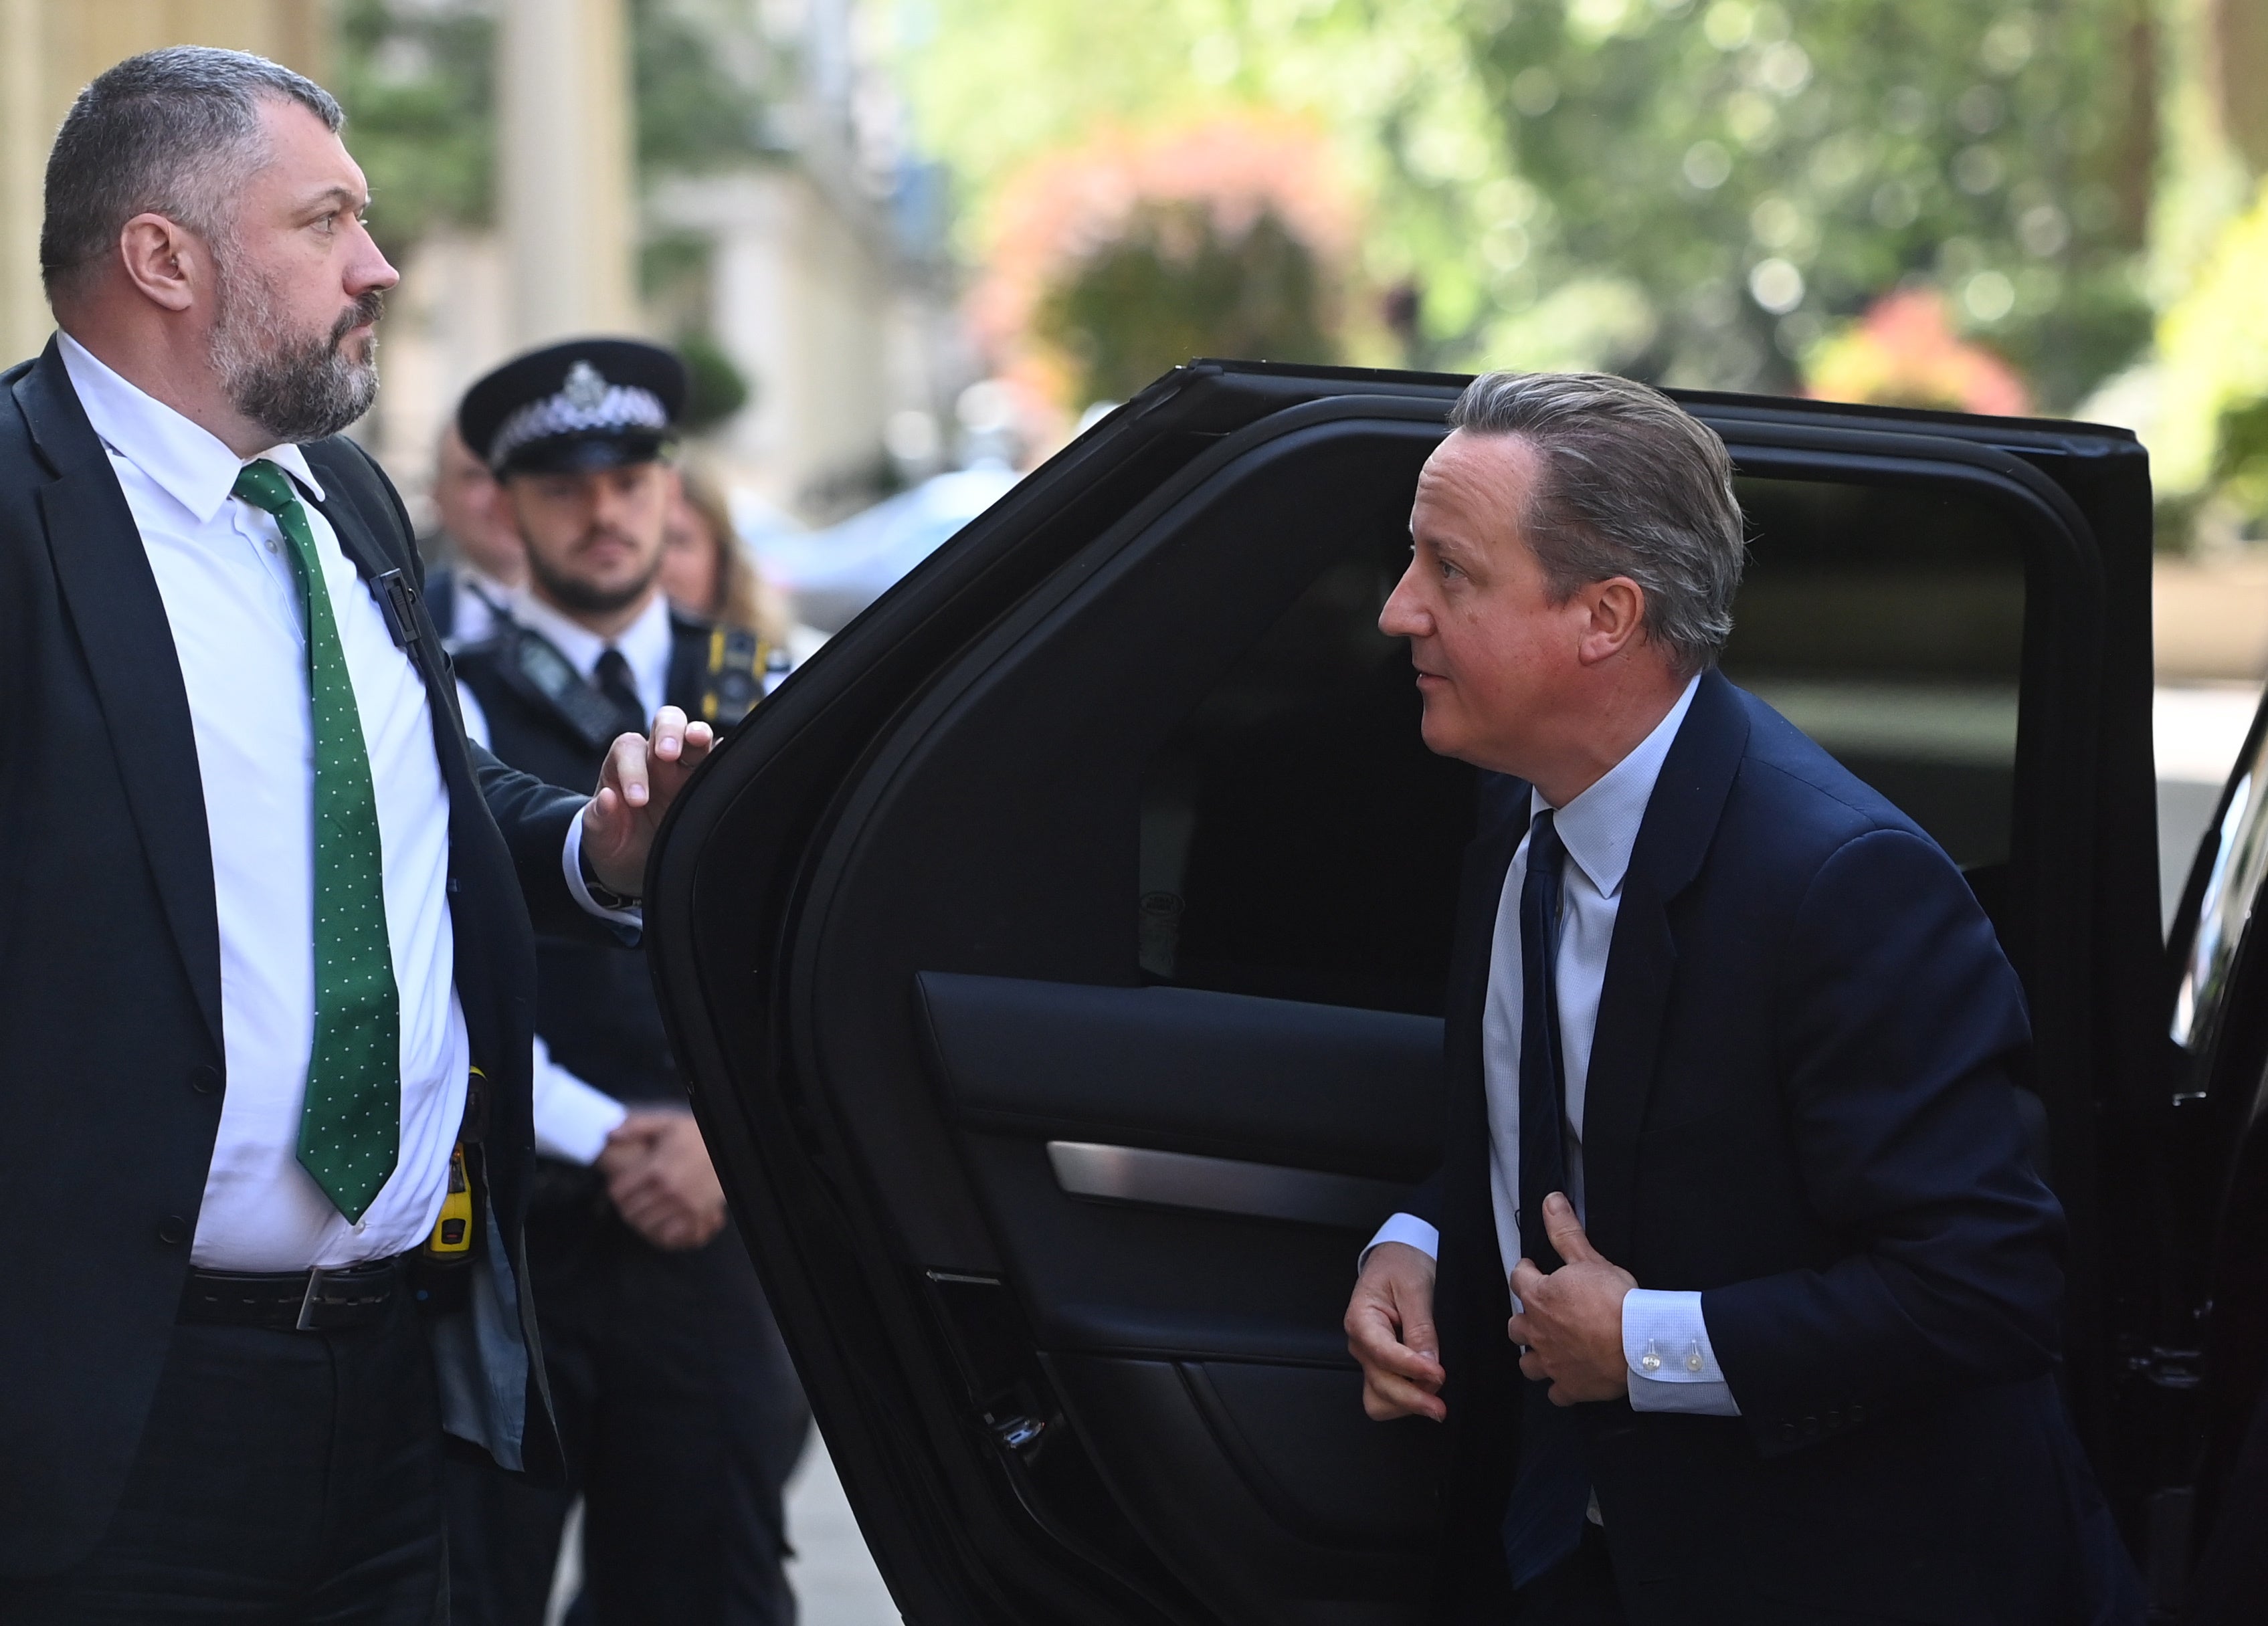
1650 1361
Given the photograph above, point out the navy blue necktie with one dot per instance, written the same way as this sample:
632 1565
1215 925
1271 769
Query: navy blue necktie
1552 1492
620 687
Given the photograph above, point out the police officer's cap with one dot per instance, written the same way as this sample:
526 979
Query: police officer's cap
587 404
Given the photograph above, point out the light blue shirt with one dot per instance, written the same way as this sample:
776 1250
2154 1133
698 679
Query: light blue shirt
1665 1337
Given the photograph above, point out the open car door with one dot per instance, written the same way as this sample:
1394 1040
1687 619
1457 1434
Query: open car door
2202 1356
1058 958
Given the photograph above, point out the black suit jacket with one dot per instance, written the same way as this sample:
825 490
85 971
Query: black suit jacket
110 995
1800 1102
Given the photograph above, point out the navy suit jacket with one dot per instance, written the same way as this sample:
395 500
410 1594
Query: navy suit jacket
1800 1103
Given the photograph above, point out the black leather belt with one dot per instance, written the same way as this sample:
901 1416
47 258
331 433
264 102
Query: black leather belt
296 1300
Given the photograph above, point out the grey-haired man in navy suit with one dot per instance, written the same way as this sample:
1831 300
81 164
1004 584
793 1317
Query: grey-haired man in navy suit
1748 1299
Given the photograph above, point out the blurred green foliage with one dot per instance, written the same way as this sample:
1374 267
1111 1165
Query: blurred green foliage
1690 190
1175 285
717 387
417 80
416 83
700 77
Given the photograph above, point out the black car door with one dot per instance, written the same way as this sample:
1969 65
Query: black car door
2197 1357
1058 956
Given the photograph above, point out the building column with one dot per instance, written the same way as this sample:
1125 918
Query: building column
49 49
563 171
25 130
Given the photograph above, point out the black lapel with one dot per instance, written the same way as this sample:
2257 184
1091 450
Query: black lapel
119 621
1674 838
349 492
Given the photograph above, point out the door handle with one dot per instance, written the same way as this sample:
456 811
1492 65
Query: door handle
1222 1185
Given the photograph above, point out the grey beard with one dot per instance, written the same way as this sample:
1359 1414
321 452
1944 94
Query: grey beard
297 388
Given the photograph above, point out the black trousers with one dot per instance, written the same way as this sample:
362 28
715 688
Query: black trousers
1578 1591
681 1419
283 1479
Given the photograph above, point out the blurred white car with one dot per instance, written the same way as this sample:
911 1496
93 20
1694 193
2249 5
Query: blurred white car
830 575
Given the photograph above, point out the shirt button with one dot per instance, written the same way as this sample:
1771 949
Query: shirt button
205 1079
172 1230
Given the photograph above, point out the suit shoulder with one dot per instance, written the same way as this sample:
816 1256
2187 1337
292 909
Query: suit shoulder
1792 774
1793 808
341 460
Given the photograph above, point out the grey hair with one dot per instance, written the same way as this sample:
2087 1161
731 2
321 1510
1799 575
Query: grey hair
176 133
1634 486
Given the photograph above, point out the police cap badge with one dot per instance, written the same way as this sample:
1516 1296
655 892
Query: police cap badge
587 403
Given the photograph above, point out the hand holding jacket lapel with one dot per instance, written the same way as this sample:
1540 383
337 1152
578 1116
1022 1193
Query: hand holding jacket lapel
1673 842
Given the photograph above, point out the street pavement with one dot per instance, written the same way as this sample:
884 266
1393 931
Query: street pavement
834 1579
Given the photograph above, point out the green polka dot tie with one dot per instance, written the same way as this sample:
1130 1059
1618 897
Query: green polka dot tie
350 1127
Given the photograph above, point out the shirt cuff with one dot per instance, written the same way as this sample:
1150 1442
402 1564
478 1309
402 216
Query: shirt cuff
632 919
1672 1366
1404 1228
572 1119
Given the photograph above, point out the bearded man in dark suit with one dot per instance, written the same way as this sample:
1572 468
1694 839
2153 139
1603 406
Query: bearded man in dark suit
1748 1297
266 960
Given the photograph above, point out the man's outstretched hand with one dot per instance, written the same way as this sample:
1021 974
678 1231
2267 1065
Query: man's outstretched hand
641 778
1571 1321
1390 1328
660 1179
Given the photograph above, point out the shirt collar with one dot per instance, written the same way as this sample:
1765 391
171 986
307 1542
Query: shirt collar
186 460
1600 827
645 643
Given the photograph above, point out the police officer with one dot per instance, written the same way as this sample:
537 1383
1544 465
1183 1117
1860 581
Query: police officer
680 1415
476 556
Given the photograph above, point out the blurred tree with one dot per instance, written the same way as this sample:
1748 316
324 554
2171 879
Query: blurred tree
1691 190
1176 284
1758 171
2208 436
717 388
1118 259
417 83
701 83
1905 354
417 80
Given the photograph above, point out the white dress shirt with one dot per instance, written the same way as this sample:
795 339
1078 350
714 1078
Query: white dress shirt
1665 1339
232 604
573 1118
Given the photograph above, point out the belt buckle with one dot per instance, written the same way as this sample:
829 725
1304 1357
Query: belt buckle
306 1323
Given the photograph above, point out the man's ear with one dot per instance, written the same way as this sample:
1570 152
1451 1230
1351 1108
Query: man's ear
1617 619
165 261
